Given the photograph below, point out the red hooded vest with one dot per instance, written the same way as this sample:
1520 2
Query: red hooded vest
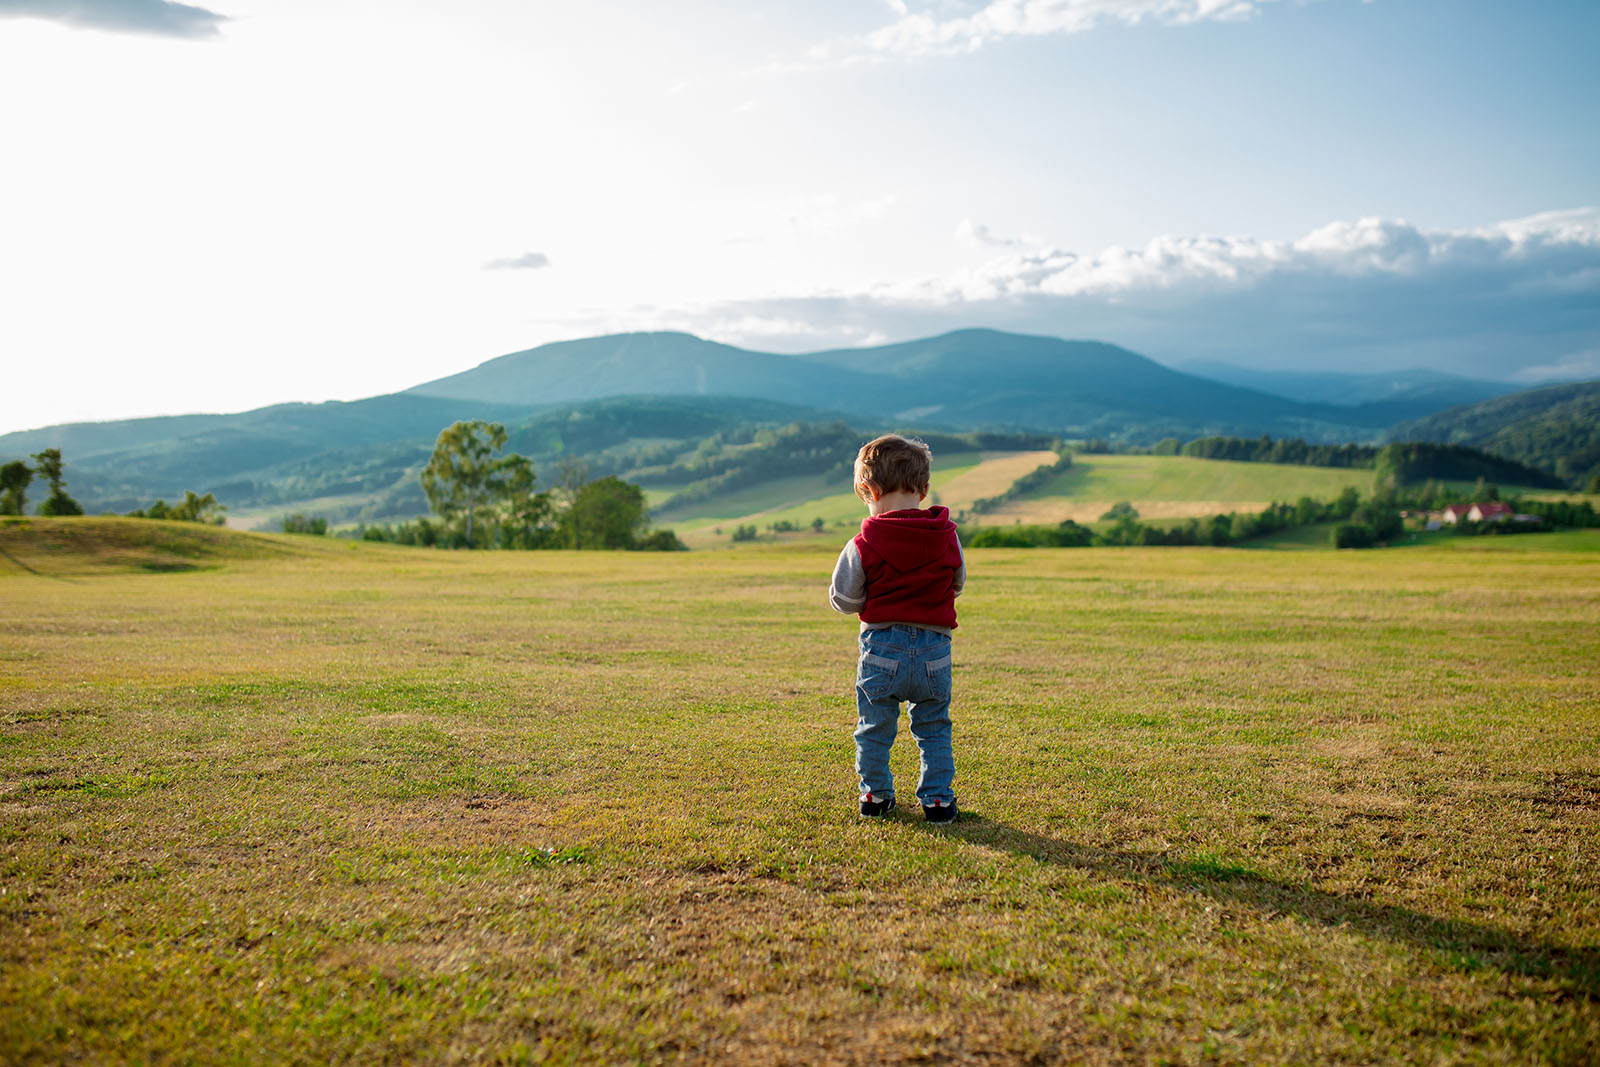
911 558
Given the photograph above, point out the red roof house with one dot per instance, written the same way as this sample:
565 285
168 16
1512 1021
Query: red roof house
1494 511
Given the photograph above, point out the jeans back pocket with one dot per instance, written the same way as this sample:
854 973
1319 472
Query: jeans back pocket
939 676
876 675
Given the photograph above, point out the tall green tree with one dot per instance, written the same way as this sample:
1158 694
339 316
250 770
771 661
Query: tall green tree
195 508
50 467
526 519
464 475
14 479
606 513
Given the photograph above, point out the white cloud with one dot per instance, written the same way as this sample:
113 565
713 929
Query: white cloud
526 261
1516 300
152 17
1577 365
1564 246
918 34
977 235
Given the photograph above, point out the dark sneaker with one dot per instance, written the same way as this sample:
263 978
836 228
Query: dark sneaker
873 807
940 812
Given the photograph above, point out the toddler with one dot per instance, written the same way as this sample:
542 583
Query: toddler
901 575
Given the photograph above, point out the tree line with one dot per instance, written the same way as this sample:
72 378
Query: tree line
1026 484
16 476
486 498
1294 451
1216 530
1398 464
1415 461
1376 520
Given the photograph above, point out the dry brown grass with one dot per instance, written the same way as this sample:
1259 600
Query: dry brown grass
381 804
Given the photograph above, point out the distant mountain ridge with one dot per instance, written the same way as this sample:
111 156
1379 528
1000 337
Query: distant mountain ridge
1419 388
640 364
960 380
663 391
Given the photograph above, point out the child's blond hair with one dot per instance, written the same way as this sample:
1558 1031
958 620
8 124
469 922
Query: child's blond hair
892 463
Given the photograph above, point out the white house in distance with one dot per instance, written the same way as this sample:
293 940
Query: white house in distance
1491 511
1494 511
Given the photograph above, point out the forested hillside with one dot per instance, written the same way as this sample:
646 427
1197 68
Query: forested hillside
1556 428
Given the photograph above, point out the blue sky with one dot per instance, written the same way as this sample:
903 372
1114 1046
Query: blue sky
252 201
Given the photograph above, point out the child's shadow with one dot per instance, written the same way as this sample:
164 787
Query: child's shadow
1466 945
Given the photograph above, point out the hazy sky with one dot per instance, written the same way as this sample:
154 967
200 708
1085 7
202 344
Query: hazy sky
214 208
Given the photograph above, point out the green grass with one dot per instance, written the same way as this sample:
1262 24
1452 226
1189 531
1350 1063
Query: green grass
1173 487
800 500
29 545
360 802
1168 487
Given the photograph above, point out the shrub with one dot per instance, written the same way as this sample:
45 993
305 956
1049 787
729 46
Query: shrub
1354 535
660 541
1121 509
299 523
59 503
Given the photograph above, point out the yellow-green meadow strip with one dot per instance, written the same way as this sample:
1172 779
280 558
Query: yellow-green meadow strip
313 801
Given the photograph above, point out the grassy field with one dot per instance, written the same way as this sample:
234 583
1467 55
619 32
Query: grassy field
1173 487
275 799
1170 487
958 480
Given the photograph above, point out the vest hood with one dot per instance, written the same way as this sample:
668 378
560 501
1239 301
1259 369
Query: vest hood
910 538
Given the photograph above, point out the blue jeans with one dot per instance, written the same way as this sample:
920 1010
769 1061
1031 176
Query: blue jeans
912 664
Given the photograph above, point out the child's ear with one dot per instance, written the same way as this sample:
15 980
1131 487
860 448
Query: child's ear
922 491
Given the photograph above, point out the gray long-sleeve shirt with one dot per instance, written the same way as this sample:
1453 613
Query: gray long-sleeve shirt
847 593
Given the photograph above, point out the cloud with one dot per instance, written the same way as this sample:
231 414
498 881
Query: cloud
526 261
919 34
977 235
158 18
1572 367
1518 300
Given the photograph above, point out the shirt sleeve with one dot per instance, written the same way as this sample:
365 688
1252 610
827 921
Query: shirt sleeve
848 591
960 582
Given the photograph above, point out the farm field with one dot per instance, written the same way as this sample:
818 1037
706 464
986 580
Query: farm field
278 799
958 480
267 518
1173 487
1160 487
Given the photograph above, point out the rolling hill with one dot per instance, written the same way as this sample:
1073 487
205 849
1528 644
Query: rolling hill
1556 428
290 451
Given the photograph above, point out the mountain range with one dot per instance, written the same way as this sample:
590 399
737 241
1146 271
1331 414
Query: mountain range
564 398
1417 385
959 380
